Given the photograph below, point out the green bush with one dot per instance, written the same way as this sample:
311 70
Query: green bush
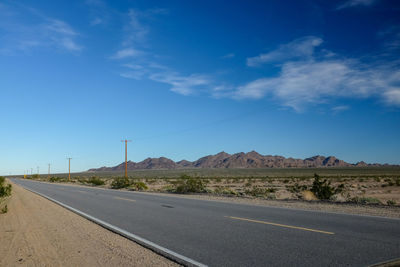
187 184
391 202
323 189
95 181
139 186
57 180
5 190
225 191
296 188
4 209
366 200
260 192
120 182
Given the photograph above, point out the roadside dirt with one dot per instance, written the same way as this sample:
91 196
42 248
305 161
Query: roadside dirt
37 232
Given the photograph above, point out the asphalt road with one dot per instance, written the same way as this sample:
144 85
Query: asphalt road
229 234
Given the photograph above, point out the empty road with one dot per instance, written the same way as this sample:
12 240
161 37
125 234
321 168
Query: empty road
229 234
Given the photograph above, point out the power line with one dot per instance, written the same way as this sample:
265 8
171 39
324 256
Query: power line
205 125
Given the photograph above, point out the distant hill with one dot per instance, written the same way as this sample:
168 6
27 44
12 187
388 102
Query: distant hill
239 160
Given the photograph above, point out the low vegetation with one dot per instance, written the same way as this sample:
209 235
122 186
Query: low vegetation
323 189
188 184
57 179
5 191
120 182
139 186
366 200
95 181
261 192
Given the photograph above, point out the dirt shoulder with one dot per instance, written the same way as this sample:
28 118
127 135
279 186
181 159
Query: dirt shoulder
38 232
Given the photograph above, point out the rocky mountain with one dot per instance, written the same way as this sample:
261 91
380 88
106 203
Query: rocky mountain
239 160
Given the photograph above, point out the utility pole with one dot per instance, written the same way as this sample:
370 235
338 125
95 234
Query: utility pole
126 156
31 171
69 169
38 171
48 176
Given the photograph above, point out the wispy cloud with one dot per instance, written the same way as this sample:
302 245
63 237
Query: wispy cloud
391 37
342 108
96 21
354 3
230 55
306 79
184 85
136 31
44 31
61 34
126 53
146 67
99 12
301 48
392 96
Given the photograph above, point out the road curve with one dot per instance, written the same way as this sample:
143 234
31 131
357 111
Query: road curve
230 234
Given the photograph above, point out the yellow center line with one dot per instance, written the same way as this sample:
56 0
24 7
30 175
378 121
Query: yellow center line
127 199
281 225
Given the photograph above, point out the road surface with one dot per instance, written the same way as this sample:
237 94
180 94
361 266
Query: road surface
230 234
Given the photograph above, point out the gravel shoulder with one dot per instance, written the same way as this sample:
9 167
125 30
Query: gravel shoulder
38 232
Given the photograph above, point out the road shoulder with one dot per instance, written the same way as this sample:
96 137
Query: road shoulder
37 231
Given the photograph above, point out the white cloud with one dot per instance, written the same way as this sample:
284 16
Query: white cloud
41 31
298 49
137 74
353 3
133 66
69 44
338 109
136 32
184 85
126 53
96 21
230 55
309 79
392 97
58 26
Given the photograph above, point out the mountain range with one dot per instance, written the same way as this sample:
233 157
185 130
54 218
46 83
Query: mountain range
239 160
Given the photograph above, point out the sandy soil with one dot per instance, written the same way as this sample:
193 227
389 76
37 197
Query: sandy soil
37 232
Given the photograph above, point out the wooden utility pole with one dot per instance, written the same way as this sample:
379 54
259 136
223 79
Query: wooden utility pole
48 176
126 156
69 169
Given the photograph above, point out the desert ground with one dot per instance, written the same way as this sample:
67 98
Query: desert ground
40 233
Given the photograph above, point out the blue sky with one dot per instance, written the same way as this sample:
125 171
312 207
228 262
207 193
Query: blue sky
184 79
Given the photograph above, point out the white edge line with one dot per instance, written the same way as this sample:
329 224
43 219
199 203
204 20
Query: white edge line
144 242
